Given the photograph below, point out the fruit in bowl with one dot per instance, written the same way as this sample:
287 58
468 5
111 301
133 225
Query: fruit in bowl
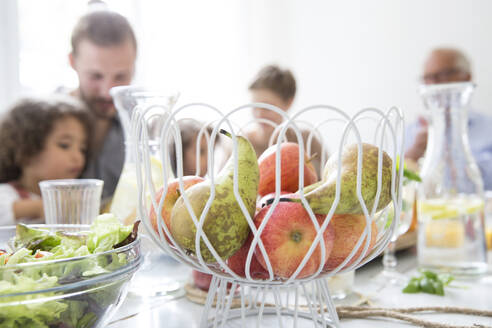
265 200
66 276
237 262
201 280
224 224
172 195
289 169
321 195
287 237
348 229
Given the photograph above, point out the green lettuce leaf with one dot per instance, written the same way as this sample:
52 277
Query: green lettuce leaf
80 311
106 231
22 255
34 239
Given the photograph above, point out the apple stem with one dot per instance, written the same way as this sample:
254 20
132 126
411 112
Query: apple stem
313 156
224 132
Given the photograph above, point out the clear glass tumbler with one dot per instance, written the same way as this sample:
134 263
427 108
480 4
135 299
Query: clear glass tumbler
71 201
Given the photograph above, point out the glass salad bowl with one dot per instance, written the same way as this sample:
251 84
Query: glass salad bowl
79 289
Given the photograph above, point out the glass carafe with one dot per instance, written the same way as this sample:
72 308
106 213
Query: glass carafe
158 105
160 275
451 205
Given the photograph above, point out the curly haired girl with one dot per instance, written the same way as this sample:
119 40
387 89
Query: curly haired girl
41 139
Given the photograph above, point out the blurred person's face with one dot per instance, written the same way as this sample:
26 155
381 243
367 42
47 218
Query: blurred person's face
441 68
189 157
101 68
63 155
269 97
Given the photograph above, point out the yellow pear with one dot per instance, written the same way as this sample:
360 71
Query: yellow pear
321 195
224 224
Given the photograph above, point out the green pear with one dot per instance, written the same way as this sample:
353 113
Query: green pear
225 225
321 195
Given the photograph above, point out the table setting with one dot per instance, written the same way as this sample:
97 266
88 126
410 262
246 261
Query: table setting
369 288
267 241
474 294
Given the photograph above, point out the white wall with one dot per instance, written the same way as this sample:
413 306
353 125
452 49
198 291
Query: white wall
354 54
9 45
351 53
358 53
194 47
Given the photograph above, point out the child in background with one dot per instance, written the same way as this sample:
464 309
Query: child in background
276 86
189 135
41 139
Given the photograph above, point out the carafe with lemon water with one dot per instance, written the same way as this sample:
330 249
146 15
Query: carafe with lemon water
450 199
157 105
160 275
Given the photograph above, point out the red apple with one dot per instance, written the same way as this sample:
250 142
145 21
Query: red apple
237 262
287 237
289 166
348 229
172 195
201 280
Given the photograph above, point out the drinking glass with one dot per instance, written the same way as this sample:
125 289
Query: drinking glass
389 275
71 201
389 259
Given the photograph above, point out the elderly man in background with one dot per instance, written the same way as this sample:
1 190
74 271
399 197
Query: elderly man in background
104 50
447 65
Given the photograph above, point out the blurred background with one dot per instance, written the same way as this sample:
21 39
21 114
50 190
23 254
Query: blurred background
350 54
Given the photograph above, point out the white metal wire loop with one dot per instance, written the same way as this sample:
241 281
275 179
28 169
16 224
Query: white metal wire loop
385 132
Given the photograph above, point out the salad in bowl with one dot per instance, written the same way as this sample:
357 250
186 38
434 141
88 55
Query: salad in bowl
66 276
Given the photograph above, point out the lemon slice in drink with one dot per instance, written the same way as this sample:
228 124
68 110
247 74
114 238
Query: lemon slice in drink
450 208
124 203
446 229
473 205
156 171
444 234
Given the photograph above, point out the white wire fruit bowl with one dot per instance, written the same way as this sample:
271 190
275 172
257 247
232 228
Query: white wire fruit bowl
359 181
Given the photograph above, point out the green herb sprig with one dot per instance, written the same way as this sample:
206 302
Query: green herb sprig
408 174
428 282
411 175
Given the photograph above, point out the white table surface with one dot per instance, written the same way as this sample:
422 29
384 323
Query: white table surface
153 312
